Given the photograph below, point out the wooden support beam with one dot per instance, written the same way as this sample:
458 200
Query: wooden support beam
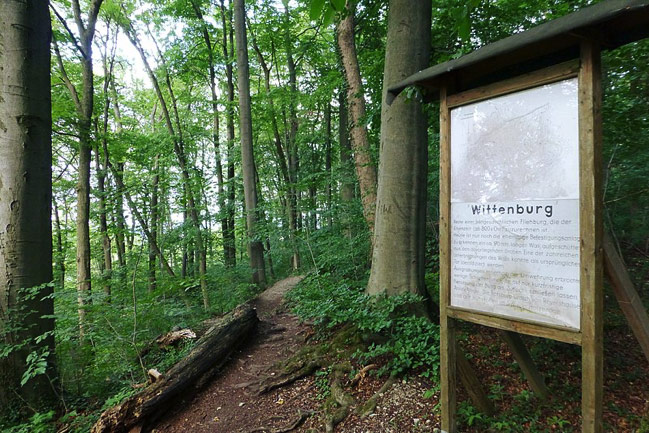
472 384
524 360
626 294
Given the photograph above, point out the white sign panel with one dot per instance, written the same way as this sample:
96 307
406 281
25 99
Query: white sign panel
515 205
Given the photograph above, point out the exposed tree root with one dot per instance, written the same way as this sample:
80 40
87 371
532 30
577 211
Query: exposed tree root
339 397
304 369
302 415
370 406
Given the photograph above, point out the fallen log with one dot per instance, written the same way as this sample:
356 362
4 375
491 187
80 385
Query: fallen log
208 356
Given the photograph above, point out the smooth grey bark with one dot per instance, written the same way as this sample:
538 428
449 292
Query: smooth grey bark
106 266
327 121
120 221
284 150
25 201
255 247
291 143
153 242
101 162
399 234
60 249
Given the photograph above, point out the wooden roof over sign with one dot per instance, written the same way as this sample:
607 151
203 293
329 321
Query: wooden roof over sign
611 22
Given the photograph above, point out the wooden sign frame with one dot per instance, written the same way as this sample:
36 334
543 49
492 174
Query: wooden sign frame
590 334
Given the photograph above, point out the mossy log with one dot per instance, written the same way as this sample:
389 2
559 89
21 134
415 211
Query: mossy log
210 354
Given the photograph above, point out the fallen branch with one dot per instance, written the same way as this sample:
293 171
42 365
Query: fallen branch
154 375
174 337
209 355
363 373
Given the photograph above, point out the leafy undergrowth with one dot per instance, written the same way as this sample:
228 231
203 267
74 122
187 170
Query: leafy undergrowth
118 347
399 343
385 323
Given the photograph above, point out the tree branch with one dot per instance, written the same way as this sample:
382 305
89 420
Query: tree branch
67 28
64 76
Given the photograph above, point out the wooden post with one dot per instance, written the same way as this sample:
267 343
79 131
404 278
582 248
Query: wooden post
626 295
590 222
448 347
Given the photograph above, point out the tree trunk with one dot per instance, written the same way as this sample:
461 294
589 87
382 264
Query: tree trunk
229 242
84 105
208 356
120 222
255 247
60 250
215 126
102 169
179 150
289 197
26 311
138 217
347 186
107 264
291 143
327 120
365 169
399 236
154 224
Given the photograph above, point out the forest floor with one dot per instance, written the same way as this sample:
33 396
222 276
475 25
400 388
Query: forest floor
231 404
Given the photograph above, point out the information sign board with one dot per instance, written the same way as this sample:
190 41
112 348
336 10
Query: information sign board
515 205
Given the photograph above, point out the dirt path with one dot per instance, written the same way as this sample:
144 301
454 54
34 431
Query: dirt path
226 405
230 405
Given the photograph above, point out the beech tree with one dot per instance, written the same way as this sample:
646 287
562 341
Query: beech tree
399 234
26 308
255 246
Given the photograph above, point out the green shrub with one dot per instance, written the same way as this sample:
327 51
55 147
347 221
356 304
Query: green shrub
408 341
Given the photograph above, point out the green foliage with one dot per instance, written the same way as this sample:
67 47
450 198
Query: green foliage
411 343
38 423
644 423
36 365
322 383
469 414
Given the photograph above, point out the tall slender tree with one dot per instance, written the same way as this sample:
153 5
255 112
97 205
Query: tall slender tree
84 103
229 242
25 202
365 169
255 246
